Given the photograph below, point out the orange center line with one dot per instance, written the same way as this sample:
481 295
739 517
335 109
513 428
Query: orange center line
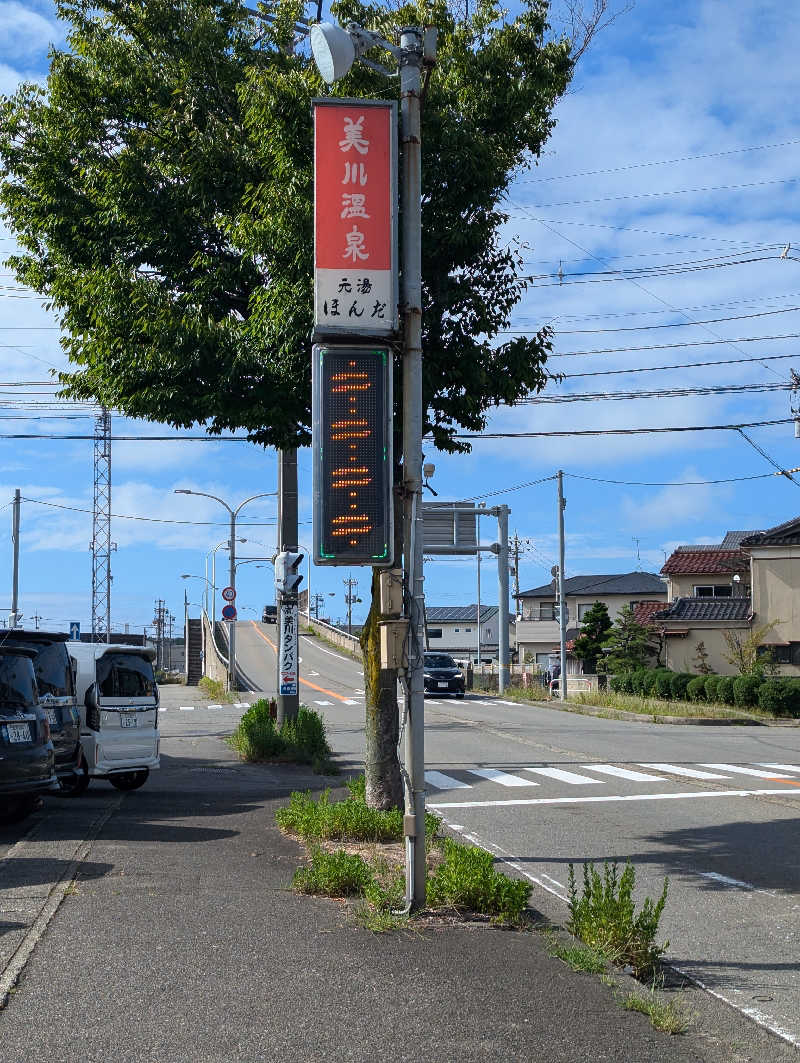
305 682
780 778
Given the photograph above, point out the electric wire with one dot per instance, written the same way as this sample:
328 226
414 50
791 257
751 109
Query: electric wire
680 365
656 393
581 432
156 520
671 192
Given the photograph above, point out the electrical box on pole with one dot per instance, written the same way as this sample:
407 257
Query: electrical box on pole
352 455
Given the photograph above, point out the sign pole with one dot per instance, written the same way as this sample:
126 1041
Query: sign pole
288 650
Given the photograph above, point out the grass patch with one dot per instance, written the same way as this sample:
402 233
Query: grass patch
336 874
349 820
578 957
644 706
665 1015
467 879
215 690
301 741
604 917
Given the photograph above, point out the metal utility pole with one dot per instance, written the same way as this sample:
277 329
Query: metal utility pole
12 620
562 604
288 704
314 602
350 597
410 61
504 672
478 537
101 530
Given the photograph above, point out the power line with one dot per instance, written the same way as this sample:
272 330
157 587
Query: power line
678 483
658 393
619 431
673 346
675 310
680 365
676 324
156 520
674 192
609 276
661 162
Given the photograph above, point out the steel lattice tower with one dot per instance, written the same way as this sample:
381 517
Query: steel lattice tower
101 530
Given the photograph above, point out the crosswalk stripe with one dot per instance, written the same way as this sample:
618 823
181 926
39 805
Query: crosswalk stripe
513 703
501 777
323 703
349 701
213 706
241 704
740 769
445 782
622 773
190 708
783 767
690 773
566 776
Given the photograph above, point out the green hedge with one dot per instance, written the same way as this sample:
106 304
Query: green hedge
678 683
696 688
780 696
725 689
745 691
710 687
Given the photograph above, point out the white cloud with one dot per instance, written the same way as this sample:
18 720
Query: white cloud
26 33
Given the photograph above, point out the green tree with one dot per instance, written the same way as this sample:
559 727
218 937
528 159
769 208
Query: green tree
629 645
160 186
700 659
589 642
747 653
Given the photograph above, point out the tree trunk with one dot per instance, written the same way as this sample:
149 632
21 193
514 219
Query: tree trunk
382 725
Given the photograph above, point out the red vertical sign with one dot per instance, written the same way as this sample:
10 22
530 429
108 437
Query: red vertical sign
355 217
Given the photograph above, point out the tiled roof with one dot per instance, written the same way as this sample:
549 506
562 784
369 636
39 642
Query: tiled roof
457 613
705 560
787 534
719 609
643 611
630 583
733 539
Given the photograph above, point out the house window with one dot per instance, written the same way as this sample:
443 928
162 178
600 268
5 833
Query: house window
543 661
456 629
785 654
468 629
717 590
583 610
547 610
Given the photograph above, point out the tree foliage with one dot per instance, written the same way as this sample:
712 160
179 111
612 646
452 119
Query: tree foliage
746 652
630 645
594 629
161 189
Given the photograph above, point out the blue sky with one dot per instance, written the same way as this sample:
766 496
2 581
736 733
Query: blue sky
676 154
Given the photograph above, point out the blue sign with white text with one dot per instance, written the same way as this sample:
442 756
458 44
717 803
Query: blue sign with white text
75 630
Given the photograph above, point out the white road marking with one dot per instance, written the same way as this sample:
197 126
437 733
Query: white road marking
615 797
214 706
566 776
313 673
513 703
349 701
190 708
323 703
739 769
783 767
338 656
241 704
735 882
622 773
445 782
690 773
501 777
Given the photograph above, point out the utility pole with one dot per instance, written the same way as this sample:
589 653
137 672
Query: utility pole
504 671
288 704
562 604
101 545
478 537
13 619
349 598
314 602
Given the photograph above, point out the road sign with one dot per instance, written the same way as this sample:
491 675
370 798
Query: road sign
75 630
355 217
287 653
228 593
352 455
229 612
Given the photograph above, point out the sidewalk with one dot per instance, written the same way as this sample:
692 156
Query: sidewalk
181 941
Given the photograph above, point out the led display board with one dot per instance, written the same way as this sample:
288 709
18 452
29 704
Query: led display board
352 451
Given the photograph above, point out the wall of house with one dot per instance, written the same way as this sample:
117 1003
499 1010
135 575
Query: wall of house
683 586
776 591
461 638
681 650
613 602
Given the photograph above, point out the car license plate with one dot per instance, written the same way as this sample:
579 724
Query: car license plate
443 686
18 732
51 716
128 719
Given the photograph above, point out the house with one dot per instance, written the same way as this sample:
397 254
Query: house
749 580
453 629
537 620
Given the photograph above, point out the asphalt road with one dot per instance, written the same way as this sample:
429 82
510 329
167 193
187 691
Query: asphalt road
713 808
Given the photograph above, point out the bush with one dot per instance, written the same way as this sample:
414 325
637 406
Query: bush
793 687
649 681
725 689
745 691
777 696
620 683
467 878
337 874
710 685
696 688
638 679
677 685
662 685
302 740
604 917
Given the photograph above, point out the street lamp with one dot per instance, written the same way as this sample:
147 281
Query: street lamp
234 512
213 554
335 50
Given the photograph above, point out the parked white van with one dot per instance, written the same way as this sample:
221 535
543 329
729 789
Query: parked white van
118 701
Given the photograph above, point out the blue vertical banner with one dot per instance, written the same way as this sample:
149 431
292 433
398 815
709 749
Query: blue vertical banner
288 647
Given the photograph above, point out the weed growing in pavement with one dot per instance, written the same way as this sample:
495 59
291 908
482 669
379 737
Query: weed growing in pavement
336 874
302 741
578 957
665 1015
468 879
215 689
604 917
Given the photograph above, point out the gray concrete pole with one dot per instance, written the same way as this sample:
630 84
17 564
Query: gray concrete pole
562 602
411 300
288 704
502 589
15 574
232 583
